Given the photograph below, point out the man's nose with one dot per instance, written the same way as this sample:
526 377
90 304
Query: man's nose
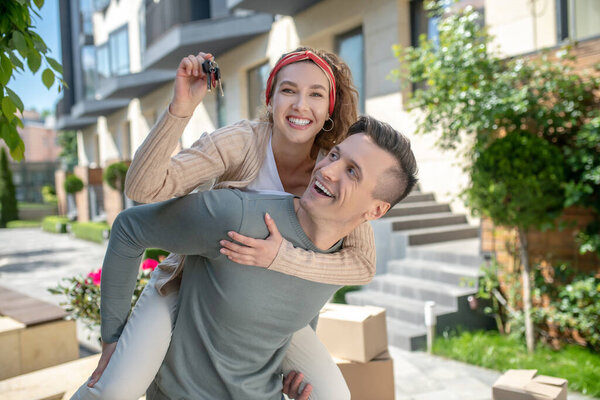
331 171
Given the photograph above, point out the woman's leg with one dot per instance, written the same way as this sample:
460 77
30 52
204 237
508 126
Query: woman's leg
140 349
306 354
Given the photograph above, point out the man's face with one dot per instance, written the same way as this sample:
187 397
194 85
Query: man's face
342 186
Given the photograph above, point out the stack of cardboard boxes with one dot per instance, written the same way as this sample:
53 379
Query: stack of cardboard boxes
357 339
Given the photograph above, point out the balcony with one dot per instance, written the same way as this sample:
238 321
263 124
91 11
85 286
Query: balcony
288 7
97 108
133 85
215 36
67 123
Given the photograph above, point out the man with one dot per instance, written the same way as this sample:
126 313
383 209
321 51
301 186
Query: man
234 322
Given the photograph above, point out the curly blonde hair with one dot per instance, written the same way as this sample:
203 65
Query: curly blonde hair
346 102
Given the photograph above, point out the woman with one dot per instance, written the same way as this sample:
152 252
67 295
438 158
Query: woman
310 104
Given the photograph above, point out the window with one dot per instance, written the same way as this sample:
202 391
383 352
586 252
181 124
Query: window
577 19
88 61
350 47
118 43
102 61
257 83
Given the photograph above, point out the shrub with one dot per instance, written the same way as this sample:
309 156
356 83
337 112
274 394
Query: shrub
49 194
8 194
155 254
94 231
114 175
55 224
340 296
83 294
73 184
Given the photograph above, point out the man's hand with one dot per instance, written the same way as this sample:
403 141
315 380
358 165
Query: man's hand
257 252
107 351
291 385
190 85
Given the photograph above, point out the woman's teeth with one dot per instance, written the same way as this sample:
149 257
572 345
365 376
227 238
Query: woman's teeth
298 121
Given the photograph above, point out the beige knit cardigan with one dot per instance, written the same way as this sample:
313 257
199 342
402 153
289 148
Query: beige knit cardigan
232 157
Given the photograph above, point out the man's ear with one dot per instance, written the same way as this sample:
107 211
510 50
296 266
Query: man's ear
377 211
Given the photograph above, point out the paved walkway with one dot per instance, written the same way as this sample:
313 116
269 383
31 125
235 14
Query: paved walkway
32 261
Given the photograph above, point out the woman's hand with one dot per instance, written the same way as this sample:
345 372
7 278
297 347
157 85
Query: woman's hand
257 252
190 85
291 386
107 351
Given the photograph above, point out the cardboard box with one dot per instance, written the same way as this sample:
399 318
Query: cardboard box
371 380
525 384
355 333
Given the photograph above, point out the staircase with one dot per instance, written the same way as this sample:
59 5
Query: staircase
424 253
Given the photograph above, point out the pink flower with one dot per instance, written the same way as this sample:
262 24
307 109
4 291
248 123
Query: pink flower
150 264
96 276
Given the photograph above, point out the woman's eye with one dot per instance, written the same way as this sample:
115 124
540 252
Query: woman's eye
333 156
317 95
286 90
352 172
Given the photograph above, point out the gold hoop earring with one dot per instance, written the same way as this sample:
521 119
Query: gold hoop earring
332 124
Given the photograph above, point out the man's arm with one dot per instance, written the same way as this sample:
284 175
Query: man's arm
189 225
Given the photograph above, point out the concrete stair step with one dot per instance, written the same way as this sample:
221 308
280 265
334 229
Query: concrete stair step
459 252
401 308
426 221
441 234
452 274
415 197
419 289
405 335
422 207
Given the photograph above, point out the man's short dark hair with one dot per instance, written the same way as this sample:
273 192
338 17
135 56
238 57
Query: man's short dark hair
397 182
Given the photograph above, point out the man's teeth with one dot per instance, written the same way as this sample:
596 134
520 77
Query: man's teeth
320 186
298 121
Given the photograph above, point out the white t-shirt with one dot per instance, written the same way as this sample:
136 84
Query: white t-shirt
267 180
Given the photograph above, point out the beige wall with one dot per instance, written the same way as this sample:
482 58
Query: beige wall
521 26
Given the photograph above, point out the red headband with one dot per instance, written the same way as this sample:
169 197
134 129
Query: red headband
291 58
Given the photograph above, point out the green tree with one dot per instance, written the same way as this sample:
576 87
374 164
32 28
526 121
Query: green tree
464 88
21 47
67 140
8 196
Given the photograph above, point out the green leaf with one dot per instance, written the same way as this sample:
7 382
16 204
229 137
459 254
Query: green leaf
55 64
8 108
20 43
18 152
6 70
34 60
48 78
15 98
39 3
15 60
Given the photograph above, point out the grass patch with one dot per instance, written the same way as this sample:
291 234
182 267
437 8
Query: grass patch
55 224
35 206
578 365
93 231
19 223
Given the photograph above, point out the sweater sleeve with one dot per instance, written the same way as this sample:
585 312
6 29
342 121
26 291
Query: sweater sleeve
156 176
354 264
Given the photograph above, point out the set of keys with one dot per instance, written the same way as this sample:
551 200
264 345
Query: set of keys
213 75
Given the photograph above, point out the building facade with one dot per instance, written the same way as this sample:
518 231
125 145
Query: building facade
41 157
120 59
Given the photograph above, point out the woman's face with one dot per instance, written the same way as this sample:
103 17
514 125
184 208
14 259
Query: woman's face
300 102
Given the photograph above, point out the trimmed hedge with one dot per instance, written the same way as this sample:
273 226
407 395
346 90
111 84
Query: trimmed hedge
155 254
94 231
55 224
